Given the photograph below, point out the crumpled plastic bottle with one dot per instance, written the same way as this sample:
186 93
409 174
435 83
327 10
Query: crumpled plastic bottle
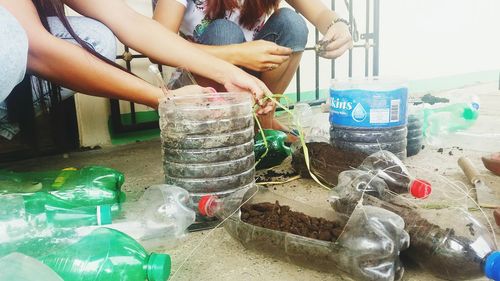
458 249
367 249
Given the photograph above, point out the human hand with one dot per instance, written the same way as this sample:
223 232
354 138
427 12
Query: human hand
336 41
191 89
237 80
260 55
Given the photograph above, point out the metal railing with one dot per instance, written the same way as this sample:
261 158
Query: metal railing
370 39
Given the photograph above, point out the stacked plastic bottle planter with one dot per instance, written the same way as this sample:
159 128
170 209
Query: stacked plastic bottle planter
369 115
207 143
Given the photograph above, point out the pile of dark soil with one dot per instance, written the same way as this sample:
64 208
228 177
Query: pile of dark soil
272 175
276 217
327 161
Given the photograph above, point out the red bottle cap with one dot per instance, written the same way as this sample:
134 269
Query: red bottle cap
420 188
204 205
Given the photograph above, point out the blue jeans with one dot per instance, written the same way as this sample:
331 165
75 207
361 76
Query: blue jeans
285 28
14 50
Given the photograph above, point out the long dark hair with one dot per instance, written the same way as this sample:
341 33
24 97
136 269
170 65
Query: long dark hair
251 10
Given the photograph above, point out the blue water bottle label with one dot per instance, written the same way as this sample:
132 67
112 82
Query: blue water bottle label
368 109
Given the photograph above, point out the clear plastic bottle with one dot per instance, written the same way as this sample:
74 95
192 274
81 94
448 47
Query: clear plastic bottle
19 267
213 133
159 218
390 168
458 248
106 255
367 247
441 121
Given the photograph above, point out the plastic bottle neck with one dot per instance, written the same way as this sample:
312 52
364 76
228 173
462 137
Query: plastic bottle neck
209 205
159 267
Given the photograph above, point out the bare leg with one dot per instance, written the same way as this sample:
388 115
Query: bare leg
277 81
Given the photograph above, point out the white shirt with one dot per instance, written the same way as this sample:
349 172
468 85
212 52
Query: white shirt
195 20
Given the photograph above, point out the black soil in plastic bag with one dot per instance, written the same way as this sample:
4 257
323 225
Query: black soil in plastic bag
327 161
281 218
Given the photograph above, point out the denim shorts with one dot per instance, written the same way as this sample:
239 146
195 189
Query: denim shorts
284 27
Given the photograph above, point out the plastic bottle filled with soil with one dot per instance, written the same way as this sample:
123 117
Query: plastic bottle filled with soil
364 244
449 243
89 186
387 166
17 266
159 218
103 255
277 150
369 114
208 143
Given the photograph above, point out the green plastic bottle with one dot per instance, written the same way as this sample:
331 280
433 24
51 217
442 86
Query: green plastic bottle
107 255
441 121
89 186
277 150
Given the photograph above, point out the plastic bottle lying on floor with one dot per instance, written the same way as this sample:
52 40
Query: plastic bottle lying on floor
458 248
17 267
390 168
102 255
367 249
89 186
158 218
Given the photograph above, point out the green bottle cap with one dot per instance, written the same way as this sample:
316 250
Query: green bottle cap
104 215
159 266
470 114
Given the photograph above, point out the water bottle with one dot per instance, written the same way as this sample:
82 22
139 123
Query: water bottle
441 121
388 167
277 150
92 185
367 248
105 255
369 114
19 267
159 218
458 248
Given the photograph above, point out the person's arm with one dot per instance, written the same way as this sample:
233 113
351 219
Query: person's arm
71 66
159 44
259 55
337 36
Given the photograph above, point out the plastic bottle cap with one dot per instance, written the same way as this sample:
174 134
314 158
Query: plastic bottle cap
492 266
204 203
420 188
159 266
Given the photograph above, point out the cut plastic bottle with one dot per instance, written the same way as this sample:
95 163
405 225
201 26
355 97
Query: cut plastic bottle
458 248
367 249
387 166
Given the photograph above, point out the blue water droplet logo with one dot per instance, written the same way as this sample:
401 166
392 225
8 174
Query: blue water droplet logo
359 113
